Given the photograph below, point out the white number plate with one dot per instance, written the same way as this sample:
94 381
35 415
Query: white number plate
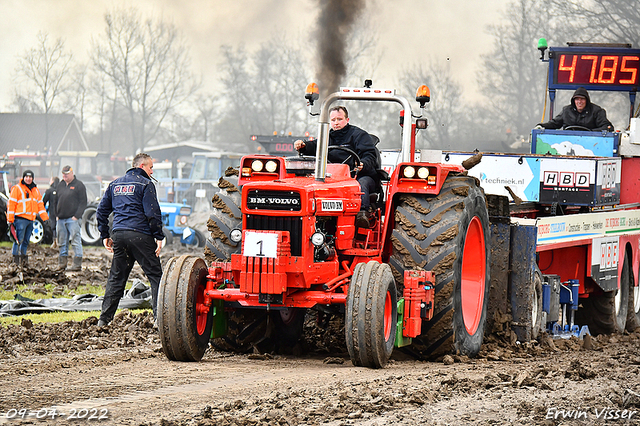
332 205
258 244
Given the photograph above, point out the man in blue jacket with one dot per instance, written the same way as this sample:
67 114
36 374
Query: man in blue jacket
136 234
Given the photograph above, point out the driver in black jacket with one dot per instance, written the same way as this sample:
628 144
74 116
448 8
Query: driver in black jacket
344 134
581 113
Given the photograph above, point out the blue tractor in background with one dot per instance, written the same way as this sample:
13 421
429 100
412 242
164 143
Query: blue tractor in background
174 220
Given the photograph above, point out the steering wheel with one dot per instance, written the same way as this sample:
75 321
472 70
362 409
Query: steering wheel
576 127
352 154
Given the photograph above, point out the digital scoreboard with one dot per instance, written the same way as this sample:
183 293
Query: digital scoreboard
594 68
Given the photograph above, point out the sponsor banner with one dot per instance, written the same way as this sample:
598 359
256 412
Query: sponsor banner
604 261
567 180
588 144
608 181
559 229
497 171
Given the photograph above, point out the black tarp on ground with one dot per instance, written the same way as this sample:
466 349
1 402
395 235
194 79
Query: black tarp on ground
137 297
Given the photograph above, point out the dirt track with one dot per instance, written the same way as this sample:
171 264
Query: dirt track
120 373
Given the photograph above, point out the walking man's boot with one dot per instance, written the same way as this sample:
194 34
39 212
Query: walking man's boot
62 262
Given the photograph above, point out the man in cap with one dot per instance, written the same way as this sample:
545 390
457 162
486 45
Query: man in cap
581 113
25 202
72 200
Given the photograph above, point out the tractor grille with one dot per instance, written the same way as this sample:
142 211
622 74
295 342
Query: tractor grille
273 200
275 223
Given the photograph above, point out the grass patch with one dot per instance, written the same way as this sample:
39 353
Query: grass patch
55 317
28 291
6 244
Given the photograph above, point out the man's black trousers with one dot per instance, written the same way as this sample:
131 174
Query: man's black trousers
130 247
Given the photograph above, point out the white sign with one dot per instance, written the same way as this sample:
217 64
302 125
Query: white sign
332 205
201 193
259 244
559 229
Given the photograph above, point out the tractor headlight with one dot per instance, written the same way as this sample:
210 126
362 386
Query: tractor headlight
257 166
183 220
317 239
271 166
235 235
423 173
409 172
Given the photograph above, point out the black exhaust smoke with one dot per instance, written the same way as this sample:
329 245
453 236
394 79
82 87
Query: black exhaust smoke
335 23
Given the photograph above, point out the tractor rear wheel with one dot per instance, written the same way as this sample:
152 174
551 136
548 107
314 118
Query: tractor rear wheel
371 315
184 322
449 235
226 216
607 313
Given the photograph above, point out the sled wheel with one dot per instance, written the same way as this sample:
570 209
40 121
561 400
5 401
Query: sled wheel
633 311
226 216
184 322
449 235
371 315
536 305
607 312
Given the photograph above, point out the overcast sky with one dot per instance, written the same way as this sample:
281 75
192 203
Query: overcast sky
410 31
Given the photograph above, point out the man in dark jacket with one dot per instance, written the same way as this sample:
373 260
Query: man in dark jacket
136 235
344 134
71 202
582 113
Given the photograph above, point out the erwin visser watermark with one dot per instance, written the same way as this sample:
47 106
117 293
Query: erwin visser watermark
586 413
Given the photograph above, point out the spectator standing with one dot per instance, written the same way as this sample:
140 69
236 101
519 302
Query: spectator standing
72 200
136 235
50 199
25 203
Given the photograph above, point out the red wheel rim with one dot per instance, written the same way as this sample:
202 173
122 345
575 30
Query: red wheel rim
388 316
201 311
472 283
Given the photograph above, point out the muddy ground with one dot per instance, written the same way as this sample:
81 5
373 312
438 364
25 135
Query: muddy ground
118 375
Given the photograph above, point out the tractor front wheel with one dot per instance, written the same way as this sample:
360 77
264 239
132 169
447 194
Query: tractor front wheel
184 321
371 315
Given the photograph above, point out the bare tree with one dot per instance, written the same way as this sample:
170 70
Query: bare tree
512 78
148 65
43 72
614 21
263 92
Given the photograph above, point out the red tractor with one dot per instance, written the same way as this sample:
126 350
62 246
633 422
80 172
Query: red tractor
284 241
